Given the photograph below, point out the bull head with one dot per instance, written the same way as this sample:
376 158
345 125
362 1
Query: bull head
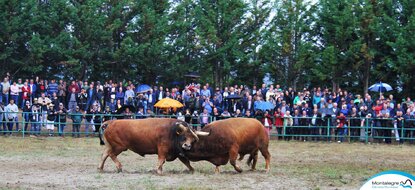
183 129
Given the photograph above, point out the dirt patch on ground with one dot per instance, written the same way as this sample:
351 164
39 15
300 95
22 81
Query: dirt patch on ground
67 163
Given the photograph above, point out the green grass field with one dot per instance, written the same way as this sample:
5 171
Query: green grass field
67 163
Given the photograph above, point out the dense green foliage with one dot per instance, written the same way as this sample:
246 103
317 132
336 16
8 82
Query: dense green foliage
349 43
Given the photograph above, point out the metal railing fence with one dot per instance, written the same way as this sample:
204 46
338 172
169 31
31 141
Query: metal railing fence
302 128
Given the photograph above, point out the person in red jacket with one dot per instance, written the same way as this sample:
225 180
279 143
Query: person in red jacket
25 93
341 127
278 121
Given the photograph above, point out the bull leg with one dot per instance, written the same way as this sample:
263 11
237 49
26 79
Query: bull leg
254 158
104 157
161 161
187 163
117 163
267 156
233 155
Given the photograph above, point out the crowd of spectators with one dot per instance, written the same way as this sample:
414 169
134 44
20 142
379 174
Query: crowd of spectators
307 114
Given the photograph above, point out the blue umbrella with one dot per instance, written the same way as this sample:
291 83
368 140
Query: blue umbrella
264 106
142 88
380 87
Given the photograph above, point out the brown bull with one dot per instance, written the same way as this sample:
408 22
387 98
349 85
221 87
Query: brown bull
165 137
227 139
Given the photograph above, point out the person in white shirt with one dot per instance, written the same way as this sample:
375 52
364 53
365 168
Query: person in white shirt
11 112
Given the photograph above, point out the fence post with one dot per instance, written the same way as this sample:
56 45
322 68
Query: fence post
402 137
367 131
328 129
23 124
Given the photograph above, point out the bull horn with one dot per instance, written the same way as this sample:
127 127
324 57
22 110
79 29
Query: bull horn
180 128
202 133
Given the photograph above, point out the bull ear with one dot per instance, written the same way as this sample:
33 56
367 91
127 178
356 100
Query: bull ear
201 133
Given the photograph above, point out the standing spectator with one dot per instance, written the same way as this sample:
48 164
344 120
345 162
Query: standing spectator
341 127
215 114
160 94
129 96
387 125
278 121
62 92
205 92
76 116
89 120
74 85
6 88
91 95
3 118
52 87
304 126
25 93
207 104
14 92
238 113
204 118
55 100
27 110
248 114
35 119
44 102
20 101
73 100
120 95
266 120
195 120
50 119
42 87
398 124
61 114
33 90
409 126
354 124
314 123
82 100
12 110
288 123
151 99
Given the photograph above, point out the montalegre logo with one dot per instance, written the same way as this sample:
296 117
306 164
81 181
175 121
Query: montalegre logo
390 180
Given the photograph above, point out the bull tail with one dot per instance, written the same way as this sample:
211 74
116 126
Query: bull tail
101 131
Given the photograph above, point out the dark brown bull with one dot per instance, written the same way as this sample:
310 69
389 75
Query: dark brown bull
165 137
227 139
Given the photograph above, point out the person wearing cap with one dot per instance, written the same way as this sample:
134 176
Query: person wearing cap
11 112
50 119
61 114
35 119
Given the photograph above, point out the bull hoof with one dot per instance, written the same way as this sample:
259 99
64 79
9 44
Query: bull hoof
267 170
100 170
252 169
238 169
159 172
119 170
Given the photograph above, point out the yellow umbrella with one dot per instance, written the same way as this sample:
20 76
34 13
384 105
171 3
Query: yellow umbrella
168 103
